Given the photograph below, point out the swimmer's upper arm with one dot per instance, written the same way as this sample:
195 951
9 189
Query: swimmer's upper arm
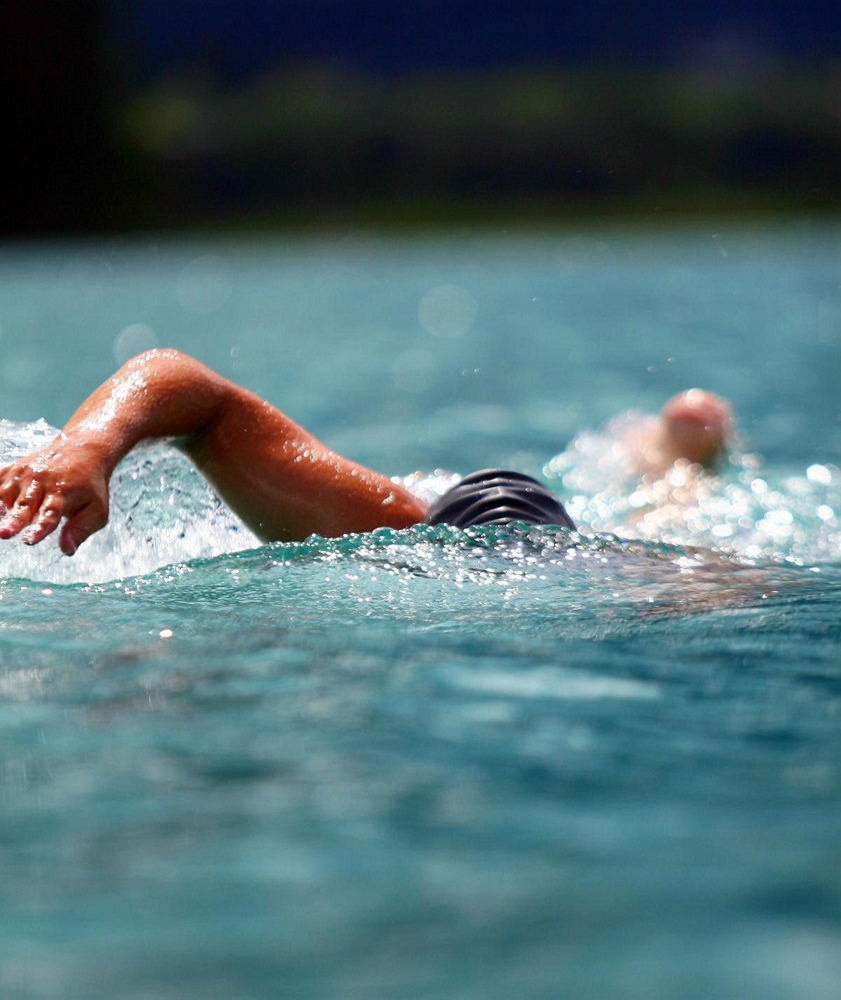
282 481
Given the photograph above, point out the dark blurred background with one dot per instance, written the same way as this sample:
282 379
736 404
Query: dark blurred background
142 114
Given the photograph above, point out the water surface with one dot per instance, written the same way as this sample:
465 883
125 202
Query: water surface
431 763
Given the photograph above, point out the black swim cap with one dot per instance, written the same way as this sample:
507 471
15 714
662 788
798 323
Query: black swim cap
497 496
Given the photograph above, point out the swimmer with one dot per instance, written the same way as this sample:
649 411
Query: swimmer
696 426
282 481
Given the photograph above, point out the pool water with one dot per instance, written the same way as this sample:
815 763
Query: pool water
434 764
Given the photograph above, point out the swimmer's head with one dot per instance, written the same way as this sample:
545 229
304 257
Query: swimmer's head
497 496
697 426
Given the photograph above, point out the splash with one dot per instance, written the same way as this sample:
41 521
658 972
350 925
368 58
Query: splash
743 509
162 512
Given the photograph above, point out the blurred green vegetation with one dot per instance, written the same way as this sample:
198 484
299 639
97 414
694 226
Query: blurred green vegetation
312 143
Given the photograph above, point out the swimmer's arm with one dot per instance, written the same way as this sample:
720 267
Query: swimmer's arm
281 481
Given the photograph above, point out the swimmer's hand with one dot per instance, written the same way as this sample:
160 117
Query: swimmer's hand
66 481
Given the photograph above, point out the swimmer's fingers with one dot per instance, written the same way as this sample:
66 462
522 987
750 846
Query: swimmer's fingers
35 503
24 509
9 487
46 521
81 524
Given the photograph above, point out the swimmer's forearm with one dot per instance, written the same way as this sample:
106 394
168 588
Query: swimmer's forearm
283 482
161 393
66 483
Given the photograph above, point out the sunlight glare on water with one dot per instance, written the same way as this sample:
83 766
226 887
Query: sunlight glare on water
743 509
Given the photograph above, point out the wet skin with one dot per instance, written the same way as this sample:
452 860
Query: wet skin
282 481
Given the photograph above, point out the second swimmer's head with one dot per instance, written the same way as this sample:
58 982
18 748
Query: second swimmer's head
697 425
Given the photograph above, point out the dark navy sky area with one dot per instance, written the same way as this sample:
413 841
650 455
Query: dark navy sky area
393 36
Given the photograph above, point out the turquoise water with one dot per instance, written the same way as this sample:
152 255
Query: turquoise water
427 764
